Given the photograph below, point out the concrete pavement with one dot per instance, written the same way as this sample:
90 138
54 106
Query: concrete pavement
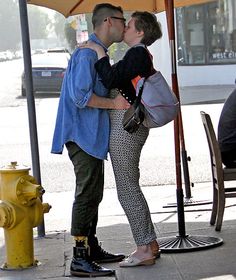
54 251
205 94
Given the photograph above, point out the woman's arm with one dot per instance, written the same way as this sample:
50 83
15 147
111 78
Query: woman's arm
136 62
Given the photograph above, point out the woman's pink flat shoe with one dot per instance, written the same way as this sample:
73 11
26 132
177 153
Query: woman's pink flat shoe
131 261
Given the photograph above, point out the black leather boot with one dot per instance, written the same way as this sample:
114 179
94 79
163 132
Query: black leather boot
82 266
99 255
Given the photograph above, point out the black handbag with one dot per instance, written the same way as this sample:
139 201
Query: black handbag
134 116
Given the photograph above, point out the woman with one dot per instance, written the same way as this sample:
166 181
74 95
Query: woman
125 148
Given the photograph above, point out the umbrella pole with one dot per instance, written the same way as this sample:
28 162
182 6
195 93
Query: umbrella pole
30 99
188 201
180 124
181 242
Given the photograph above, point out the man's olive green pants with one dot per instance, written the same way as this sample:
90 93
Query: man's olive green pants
89 173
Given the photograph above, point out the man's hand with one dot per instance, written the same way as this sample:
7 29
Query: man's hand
120 103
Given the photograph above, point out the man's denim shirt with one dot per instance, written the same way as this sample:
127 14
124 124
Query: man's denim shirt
88 127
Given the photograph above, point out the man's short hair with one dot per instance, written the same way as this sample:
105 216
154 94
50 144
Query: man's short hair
147 22
102 11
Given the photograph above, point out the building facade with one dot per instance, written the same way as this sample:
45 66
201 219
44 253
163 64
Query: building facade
205 43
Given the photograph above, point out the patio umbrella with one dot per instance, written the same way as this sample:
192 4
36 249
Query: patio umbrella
182 242
73 7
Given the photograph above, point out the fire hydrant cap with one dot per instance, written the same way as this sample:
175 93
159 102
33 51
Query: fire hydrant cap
13 166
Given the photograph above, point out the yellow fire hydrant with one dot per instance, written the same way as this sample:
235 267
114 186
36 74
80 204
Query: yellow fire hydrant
20 211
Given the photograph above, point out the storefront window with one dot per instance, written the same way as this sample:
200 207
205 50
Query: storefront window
207 33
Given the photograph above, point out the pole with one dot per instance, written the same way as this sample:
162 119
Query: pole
182 242
30 98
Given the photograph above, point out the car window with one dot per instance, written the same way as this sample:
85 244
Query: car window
50 59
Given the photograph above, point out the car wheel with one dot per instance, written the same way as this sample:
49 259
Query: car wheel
23 92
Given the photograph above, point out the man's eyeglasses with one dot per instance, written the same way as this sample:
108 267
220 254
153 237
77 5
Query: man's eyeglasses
120 18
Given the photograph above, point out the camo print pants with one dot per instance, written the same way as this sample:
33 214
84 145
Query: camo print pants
125 151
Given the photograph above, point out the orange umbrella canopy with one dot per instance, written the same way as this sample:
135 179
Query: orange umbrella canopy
73 7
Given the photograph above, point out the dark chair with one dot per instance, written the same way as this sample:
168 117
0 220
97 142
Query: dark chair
220 174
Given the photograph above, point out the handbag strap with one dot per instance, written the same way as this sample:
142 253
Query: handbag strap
137 78
140 92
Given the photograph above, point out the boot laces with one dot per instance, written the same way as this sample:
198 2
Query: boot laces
95 266
102 251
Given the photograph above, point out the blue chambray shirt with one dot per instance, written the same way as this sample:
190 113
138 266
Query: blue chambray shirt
88 127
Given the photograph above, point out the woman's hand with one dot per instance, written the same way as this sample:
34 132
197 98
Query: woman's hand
93 46
89 44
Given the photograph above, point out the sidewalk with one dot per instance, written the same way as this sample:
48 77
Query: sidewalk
54 252
205 94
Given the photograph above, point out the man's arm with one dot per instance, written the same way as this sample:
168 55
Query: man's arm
117 103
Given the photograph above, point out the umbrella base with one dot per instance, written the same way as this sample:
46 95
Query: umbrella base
177 244
188 202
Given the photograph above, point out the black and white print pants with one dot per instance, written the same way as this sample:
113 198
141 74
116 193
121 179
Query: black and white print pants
125 150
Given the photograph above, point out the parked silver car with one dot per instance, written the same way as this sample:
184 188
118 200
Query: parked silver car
48 70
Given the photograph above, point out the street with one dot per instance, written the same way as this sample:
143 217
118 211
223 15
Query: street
157 165
158 158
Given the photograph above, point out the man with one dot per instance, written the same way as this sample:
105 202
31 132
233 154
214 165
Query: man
83 126
227 131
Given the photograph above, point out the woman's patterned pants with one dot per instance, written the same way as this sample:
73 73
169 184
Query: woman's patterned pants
125 150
